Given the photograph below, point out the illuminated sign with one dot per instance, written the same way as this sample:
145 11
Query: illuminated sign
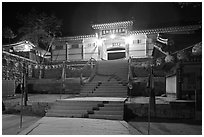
116 44
113 31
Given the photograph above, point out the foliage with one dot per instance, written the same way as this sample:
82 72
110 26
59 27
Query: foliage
8 33
39 28
192 4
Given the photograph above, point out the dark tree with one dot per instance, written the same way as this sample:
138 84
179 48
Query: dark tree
8 34
190 4
39 28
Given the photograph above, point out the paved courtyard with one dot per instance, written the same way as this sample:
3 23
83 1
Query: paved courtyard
79 126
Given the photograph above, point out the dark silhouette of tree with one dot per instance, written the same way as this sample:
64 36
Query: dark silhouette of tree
8 34
39 28
190 4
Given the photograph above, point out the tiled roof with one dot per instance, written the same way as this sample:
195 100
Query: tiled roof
113 25
166 30
19 43
75 37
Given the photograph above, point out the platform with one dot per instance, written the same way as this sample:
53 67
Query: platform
118 99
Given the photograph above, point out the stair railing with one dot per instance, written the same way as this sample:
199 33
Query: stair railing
91 62
130 76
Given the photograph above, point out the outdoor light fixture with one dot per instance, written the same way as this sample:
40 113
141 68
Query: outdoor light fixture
112 36
128 40
99 42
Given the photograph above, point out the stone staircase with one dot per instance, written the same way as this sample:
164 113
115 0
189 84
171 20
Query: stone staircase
108 88
87 109
102 98
110 80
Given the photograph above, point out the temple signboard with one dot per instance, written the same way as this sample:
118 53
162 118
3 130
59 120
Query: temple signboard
114 31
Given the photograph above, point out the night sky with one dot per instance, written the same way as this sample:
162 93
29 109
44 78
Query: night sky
78 17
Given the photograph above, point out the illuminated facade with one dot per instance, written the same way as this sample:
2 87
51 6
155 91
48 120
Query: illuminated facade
110 41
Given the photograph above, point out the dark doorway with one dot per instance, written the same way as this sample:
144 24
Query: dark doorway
116 55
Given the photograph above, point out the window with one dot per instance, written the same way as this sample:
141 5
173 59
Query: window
138 41
75 46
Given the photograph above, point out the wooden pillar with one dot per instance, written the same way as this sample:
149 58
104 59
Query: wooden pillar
152 93
179 82
66 52
82 52
127 50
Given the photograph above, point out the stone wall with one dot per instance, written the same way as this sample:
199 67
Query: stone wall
169 111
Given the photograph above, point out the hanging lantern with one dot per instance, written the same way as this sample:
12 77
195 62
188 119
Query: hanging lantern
169 59
32 66
36 66
29 66
158 61
197 49
20 65
181 55
16 64
41 66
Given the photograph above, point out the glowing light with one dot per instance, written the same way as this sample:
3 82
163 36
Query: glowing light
99 42
128 40
112 36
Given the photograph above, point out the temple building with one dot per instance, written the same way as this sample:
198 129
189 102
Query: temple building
111 41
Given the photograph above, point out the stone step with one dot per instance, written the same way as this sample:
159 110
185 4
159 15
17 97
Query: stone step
105 91
63 111
100 112
112 87
111 117
114 105
110 90
111 108
65 115
79 103
87 91
106 95
75 107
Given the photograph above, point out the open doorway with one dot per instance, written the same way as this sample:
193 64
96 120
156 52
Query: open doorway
116 53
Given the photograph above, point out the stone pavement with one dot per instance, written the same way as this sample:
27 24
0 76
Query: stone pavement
11 123
79 126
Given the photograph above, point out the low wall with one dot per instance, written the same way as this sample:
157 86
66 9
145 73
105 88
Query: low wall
140 87
37 108
169 111
40 108
53 86
8 87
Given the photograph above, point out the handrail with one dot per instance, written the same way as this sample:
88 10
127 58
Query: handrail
130 76
90 61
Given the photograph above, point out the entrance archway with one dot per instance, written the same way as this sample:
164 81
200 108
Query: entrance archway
116 53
